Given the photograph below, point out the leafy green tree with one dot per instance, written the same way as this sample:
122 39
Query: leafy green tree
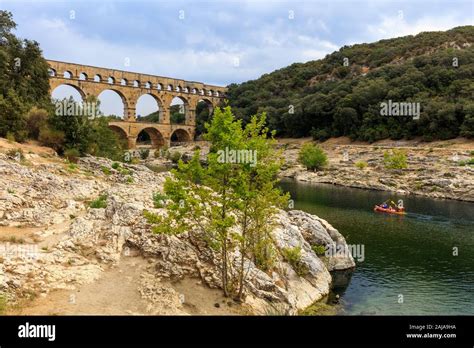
396 159
24 80
312 156
228 205
12 119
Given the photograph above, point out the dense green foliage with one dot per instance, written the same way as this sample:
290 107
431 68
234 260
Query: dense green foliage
23 79
324 98
312 156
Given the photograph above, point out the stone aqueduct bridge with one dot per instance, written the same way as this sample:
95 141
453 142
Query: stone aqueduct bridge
90 80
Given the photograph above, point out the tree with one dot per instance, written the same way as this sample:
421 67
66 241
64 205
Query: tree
24 80
312 156
226 204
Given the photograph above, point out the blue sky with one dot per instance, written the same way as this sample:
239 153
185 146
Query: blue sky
219 42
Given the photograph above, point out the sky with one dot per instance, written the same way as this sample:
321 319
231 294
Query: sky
216 41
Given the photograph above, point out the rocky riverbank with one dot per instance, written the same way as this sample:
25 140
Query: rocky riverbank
73 240
436 170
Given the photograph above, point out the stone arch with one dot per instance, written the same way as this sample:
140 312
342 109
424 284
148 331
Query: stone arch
83 76
77 88
159 86
52 72
209 104
150 136
97 78
169 88
136 83
122 97
159 104
121 134
67 74
111 80
179 136
123 82
148 85
179 110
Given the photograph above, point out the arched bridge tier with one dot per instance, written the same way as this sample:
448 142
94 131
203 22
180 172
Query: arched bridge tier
130 86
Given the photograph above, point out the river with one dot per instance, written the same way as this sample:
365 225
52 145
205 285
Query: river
410 266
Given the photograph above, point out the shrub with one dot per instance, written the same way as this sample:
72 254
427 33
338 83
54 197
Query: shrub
105 170
397 159
100 202
10 137
35 120
159 200
72 155
312 157
293 257
116 165
319 249
144 153
320 134
175 156
52 138
361 164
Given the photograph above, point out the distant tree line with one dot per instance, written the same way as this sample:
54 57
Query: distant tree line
341 94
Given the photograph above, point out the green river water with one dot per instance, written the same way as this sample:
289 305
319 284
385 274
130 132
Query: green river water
408 265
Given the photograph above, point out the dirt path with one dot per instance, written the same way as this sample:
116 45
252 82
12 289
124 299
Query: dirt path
117 292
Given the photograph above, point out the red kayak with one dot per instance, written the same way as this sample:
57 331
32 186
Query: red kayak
389 210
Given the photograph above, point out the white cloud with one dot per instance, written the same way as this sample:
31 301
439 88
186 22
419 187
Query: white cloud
396 26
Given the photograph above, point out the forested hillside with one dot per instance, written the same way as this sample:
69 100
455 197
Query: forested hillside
340 95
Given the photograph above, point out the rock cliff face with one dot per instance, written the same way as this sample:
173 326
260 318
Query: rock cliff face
51 238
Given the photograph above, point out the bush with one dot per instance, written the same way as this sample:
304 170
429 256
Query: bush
159 200
312 157
72 155
10 137
100 202
105 170
52 138
293 257
144 153
175 156
35 120
361 164
319 249
320 134
116 165
397 159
